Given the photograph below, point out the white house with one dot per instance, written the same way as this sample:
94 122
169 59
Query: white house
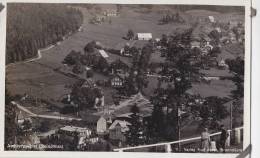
211 19
144 36
101 125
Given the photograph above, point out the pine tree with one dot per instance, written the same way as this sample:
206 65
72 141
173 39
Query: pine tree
135 134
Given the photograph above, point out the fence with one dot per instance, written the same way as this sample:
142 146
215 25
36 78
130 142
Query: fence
188 145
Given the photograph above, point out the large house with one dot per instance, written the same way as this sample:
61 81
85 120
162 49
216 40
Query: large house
113 63
81 131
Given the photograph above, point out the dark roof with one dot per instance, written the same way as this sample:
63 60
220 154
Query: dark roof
113 57
89 118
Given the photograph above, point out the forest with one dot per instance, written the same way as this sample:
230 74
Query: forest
34 26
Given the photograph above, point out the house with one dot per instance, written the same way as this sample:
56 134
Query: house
117 130
103 53
70 130
222 64
111 12
111 63
195 44
21 118
119 67
144 36
101 125
218 29
211 19
125 51
89 83
117 81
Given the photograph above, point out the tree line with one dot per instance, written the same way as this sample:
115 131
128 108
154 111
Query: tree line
34 26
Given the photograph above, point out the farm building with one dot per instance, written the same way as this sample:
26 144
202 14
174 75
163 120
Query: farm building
144 36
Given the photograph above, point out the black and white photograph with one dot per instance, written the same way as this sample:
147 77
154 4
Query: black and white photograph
99 77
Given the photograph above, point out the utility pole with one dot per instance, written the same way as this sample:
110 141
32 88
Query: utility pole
231 115
179 129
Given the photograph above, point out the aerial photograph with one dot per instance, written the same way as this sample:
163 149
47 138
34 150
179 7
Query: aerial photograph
124 78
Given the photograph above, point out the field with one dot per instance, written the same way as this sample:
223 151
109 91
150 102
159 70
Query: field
39 79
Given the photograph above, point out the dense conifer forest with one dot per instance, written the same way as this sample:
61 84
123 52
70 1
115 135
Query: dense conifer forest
34 26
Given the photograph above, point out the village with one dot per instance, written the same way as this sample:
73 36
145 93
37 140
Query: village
115 87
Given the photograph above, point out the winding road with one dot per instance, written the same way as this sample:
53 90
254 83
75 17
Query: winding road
43 116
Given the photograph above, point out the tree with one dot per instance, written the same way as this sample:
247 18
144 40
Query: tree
10 121
135 134
213 111
179 72
44 126
72 58
164 40
48 24
156 125
130 34
89 73
90 47
78 68
236 66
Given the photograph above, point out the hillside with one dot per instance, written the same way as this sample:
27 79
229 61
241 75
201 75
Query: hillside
34 26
